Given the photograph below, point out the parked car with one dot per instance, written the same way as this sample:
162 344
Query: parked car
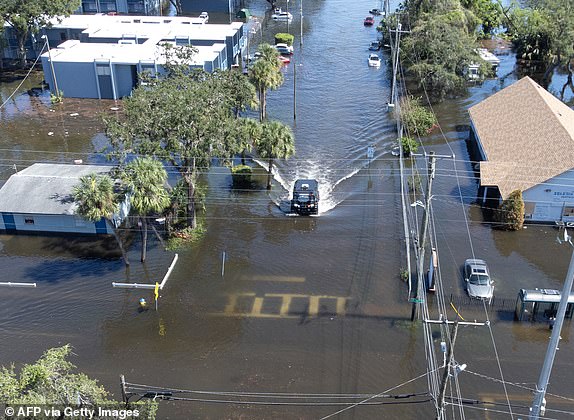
376 12
279 14
369 21
284 60
375 46
374 60
284 49
477 277
204 16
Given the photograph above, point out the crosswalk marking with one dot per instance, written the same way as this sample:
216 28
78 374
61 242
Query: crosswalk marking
284 305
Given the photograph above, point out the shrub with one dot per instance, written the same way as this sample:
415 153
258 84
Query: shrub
418 120
511 211
409 145
284 38
241 175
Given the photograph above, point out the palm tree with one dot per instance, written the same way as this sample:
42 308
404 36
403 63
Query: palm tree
265 74
276 142
97 200
144 179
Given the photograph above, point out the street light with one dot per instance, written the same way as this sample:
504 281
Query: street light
52 65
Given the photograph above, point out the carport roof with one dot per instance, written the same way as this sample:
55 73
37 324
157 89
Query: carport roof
45 188
527 135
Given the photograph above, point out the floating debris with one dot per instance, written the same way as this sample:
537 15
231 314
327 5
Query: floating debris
51 133
115 108
74 114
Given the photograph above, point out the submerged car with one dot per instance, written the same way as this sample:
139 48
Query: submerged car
369 21
284 49
374 60
305 197
375 46
477 277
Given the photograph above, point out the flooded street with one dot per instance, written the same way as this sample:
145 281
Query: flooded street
305 304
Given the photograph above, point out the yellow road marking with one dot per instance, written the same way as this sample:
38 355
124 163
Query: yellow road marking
286 300
257 304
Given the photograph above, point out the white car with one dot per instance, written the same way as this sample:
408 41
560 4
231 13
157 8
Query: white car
204 16
284 49
374 60
478 282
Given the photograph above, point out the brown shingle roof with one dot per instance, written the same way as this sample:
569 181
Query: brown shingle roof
527 135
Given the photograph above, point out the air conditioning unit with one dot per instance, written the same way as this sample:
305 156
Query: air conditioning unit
127 41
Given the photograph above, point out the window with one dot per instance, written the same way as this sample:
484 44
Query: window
568 211
104 71
29 220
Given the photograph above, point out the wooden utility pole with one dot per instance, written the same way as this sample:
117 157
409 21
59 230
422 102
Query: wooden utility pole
420 289
446 372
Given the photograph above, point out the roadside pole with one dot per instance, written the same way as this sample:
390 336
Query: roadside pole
539 403
446 372
420 293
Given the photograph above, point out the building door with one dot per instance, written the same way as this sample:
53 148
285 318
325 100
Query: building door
101 227
9 222
104 73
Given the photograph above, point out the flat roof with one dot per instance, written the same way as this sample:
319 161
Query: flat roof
73 51
45 188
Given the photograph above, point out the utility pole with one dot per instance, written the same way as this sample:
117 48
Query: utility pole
446 372
419 297
52 66
395 62
539 403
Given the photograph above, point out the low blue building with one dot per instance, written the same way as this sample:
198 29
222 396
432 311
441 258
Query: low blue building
133 7
39 199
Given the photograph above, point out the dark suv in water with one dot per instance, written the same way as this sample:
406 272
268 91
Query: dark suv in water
305 197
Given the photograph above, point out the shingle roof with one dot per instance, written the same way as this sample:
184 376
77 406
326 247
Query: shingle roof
527 135
44 188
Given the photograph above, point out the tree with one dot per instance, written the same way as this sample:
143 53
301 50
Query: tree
511 211
438 51
409 146
144 180
28 16
51 381
241 94
183 119
265 74
178 7
97 200
276 142
545 31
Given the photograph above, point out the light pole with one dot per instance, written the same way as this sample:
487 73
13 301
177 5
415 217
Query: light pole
52 66
287 16
301 19
294 90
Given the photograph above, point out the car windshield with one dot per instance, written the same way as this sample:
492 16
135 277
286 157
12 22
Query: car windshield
479 279
303 197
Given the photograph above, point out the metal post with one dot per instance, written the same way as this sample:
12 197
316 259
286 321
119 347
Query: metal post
223 264
287 16
301 19
422 241
294 91
52 67
446 371
538 405
123 388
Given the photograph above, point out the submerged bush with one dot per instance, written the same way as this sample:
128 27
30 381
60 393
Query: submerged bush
511 211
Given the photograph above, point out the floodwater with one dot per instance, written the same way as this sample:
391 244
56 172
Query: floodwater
267 303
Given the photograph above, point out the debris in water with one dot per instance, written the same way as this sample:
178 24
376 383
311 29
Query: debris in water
74 114
115 108
51 133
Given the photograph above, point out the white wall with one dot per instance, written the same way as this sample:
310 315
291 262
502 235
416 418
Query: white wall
551 199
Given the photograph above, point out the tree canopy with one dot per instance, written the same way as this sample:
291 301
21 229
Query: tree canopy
28 16
51 380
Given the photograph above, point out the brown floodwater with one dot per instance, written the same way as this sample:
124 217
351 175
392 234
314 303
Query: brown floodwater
305 304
